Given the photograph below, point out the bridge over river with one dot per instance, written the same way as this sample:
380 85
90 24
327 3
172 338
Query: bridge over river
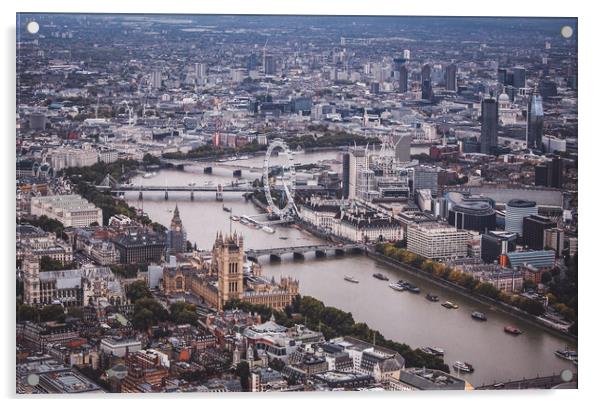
298 252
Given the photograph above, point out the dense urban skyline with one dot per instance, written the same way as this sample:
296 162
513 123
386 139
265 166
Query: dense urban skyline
214 203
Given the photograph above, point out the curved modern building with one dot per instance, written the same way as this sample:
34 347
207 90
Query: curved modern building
516 211
471 213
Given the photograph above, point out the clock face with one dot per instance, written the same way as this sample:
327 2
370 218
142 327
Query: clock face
177 228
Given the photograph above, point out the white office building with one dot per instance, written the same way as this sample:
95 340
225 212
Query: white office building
435 240
516 211
70 210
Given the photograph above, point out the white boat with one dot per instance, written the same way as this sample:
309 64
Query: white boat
235 218
566 354
396 287
268 229
351 279
463 367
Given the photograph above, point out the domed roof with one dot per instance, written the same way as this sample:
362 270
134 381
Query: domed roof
504 98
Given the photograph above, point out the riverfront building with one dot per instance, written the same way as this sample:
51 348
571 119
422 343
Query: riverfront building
494 244
70 210
353 220
516 211
223 279
534 227
471 213
536 258
435 240
554 239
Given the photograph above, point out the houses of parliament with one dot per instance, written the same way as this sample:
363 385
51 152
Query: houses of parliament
223 279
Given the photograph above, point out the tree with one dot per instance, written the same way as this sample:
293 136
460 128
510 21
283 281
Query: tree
148 312
546 277
138 290
143 319
48 225
488 290
53 312
532 306
47 263
243 372
183 313
75 312
529 285
150 159
26 313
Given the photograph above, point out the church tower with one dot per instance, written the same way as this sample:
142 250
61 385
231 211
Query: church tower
228 260
176 222
176 235
31 279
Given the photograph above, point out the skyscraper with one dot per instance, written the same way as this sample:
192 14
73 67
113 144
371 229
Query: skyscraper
425 73
425 80
489 125
451 82
200 70
427 90
401 74
358 163
346 159
156 79
550 174
403 79
534 122
501 76
269 64
519 77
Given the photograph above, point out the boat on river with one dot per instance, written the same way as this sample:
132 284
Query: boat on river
512 330
351 279
412 288
409 286
478 316
380 276
450 305
566 354
397 287
268 229
463 367
432 297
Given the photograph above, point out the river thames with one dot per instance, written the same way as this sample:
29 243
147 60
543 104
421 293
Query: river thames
401 316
